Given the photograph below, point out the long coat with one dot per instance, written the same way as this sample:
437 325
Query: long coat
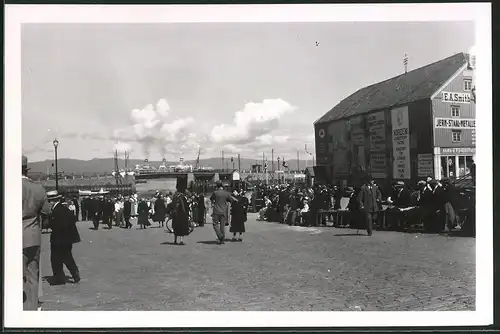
369 198
63 224
160 210
180 216
239 211
143 212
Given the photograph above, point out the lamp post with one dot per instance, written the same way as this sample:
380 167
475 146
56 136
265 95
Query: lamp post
56 143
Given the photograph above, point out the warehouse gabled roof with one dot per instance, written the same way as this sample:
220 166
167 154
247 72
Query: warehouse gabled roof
415 85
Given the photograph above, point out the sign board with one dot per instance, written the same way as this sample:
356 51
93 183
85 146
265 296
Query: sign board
452 97
236 176
454 123
425 164
357 131
457 150
376 129
400 143
378 165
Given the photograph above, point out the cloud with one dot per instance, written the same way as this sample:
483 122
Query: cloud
254 121
152 128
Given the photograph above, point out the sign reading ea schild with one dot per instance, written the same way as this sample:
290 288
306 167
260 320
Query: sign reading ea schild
451 97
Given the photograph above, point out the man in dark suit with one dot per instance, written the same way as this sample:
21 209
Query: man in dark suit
202 211
127 210
35 207
77 208
64 235
94 211
369 199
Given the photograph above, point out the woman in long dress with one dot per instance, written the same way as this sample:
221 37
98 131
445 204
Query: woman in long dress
160 210
180 216
143 212
238 216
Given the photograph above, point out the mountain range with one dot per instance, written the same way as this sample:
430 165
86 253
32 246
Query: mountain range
106 165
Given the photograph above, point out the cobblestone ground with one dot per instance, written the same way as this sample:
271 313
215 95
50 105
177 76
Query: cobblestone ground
276 267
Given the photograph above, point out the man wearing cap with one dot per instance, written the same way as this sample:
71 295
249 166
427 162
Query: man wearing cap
35 206
64 235
369 201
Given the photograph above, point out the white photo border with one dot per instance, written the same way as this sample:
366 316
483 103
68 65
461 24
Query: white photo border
16 15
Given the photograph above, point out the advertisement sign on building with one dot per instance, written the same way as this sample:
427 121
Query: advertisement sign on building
452 97
337 132
401 143
357 131
376 129
322 152
454 123
457 150
425 165
378 164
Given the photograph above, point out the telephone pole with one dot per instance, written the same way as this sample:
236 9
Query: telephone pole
298 163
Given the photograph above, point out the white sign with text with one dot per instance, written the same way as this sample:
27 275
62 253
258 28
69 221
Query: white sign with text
400 143
452 97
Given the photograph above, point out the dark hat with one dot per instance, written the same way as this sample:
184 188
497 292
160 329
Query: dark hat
25 163
349 189
218 184
433 182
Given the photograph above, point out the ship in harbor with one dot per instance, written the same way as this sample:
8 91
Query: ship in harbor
147 168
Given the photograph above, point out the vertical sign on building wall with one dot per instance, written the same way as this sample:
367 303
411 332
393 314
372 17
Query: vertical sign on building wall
376 135
401 143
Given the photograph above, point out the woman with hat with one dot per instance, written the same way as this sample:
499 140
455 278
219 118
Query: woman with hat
160 210
238 215
180 214
143 214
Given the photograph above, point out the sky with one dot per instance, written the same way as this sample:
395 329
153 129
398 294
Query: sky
170 89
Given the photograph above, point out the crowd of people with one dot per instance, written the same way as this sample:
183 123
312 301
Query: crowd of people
59 215
436 205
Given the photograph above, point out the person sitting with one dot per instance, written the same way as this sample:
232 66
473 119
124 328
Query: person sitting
304 212
264 211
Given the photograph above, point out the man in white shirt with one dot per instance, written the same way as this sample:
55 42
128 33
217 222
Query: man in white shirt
119 221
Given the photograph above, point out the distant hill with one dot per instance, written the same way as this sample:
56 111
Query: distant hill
106 165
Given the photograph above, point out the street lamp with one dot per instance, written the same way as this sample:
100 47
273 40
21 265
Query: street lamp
56 143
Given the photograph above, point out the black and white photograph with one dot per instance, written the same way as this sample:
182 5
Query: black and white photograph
251 160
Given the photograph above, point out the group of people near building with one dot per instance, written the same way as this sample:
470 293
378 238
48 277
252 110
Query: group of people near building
436 205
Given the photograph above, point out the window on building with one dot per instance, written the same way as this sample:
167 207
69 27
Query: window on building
467 84
455 111
456 136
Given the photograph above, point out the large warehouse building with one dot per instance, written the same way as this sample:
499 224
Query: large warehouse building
418 124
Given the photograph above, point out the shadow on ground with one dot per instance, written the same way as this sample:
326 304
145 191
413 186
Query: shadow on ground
52 281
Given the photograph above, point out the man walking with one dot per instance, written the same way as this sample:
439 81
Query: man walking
34 206
64 235
369 200
220 203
